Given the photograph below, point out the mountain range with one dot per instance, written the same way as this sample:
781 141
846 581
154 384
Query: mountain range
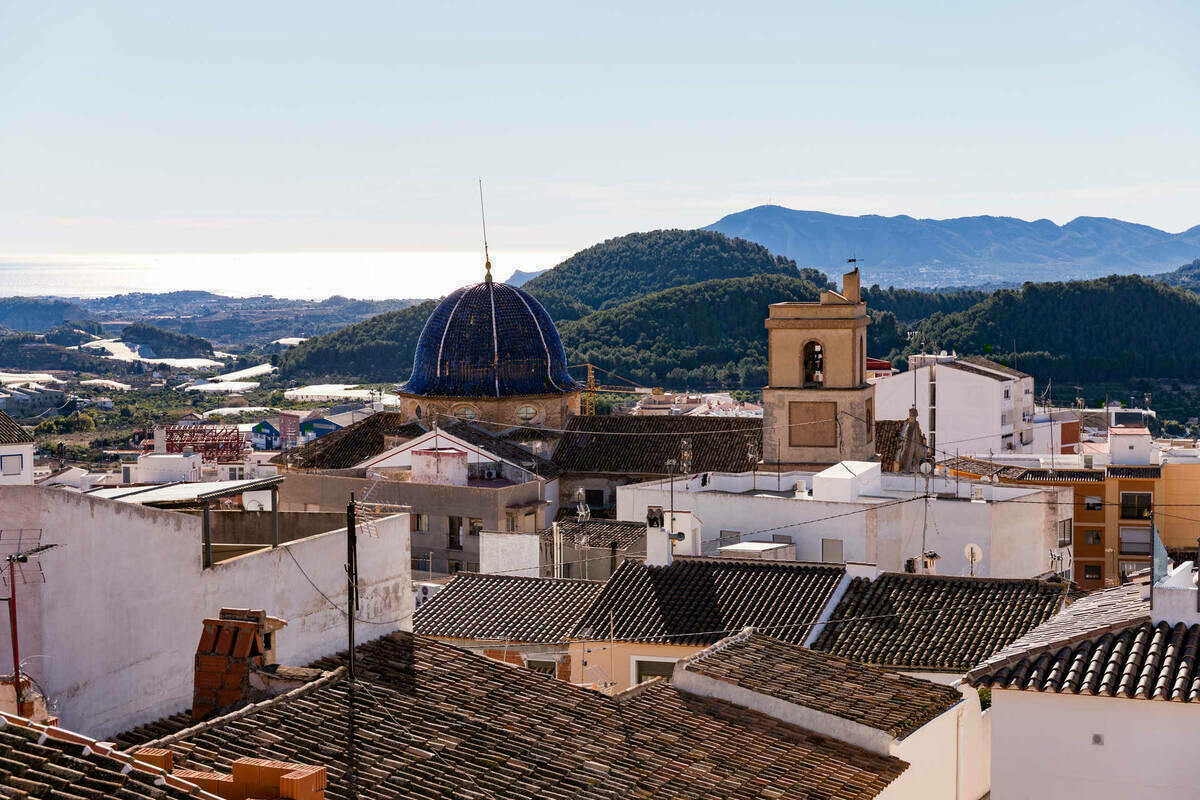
905 251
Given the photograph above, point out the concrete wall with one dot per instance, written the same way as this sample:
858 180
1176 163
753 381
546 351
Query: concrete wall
610 666
111 635
1042 746
25 477
257 527
510 553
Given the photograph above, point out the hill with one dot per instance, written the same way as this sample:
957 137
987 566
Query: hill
634 265
1186 277
166 344
903 250
36 315
31 352
378 349
1113 328
521 277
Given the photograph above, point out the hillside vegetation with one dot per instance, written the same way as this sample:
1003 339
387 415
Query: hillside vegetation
378 349
632 266
1186 277
34 315
166 344
1112 328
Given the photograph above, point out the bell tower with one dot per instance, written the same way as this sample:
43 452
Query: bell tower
818 408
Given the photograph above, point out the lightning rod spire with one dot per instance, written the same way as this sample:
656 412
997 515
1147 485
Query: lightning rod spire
487 261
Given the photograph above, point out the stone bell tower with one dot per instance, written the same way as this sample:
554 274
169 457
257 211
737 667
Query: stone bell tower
818 408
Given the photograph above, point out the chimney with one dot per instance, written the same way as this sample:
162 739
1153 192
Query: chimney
238 641
850 286
160 439
658 542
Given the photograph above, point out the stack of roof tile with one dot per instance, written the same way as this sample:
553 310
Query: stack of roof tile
935 623
430 720
506 608
701 600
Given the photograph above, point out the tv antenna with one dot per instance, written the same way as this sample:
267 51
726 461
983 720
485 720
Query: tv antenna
487 261
18 547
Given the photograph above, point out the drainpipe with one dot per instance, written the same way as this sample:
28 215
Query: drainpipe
275 516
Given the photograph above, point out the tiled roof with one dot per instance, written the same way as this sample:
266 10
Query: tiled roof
887 441
1152 472
40 761
935 623
972 466
11 432
643 445
1058 475
503 448
351 445
871 696
601 532
506 608
429 720
1090 616
1144 661
700 600
987 363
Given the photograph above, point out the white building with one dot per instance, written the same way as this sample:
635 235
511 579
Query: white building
1102 701
110 634
16 453
853 512
964 404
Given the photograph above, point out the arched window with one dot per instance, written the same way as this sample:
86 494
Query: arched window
417 411
814 364
527 413
465 412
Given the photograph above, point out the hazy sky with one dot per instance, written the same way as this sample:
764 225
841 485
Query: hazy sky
244 126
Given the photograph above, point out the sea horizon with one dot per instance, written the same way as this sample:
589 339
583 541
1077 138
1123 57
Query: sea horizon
370 275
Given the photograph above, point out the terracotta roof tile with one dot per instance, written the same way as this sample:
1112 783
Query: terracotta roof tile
429 720
1143 661
701 600
11 432
871 696
643 445
506 608
934 623
353 444
600 532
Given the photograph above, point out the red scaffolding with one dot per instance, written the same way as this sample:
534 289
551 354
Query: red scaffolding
212 442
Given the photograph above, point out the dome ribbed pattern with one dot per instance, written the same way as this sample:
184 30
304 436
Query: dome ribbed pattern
489 340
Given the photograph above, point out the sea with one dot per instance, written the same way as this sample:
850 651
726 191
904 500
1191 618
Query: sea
302 276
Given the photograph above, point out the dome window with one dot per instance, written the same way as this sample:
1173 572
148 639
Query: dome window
465 412
527 413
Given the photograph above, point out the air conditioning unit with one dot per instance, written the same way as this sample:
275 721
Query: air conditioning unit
977 495
491 474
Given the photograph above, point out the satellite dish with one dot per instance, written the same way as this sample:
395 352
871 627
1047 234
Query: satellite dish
926 467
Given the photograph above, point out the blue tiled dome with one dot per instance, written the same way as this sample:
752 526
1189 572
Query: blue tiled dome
489 340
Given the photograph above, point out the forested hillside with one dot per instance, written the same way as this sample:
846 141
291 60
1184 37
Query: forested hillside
378 349
35 315
632 266
1112 328
1186 277
166 344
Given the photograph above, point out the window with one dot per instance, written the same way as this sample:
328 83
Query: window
544 667
812 424
831 551
474 526
813 364
1091 572
454 566
527 413
1093 504
465 412
1136 505
1135 541
510 522
1064 533
11 465
421 563
645 670
1091 537
594 498
1007 394
454 536
418 523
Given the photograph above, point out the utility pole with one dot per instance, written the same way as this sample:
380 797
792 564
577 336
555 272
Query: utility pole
18 557
351 580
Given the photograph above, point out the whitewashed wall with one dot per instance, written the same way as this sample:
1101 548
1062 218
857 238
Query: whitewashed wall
111 635
1042 746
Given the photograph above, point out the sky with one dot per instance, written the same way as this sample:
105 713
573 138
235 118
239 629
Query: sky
152 127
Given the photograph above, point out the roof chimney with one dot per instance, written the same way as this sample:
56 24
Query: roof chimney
160 439
850 286
239 640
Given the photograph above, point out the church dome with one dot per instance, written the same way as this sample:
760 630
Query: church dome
489 340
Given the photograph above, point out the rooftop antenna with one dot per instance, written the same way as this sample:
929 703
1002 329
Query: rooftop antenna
487 261
18 548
